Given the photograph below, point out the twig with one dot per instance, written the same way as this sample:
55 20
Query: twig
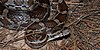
80 18
71 3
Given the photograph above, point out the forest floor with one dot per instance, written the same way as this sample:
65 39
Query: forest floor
84 22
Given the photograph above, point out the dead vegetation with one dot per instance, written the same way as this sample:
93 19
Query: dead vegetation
83 20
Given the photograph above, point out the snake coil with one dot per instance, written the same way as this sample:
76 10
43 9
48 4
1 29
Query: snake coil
47 19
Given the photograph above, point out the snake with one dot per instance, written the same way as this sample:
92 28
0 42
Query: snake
44 20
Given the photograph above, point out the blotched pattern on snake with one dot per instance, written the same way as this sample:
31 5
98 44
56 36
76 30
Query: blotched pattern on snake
42 20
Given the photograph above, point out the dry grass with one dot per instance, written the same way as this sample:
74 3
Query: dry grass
83 21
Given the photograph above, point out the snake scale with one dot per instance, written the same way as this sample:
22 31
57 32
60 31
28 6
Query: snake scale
44 19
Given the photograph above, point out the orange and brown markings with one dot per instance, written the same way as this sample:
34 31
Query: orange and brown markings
35 26
62 6
61 17
50 23
39 12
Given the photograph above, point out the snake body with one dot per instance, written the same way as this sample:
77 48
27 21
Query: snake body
47 19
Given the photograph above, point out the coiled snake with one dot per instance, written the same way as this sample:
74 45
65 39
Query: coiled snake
44 19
